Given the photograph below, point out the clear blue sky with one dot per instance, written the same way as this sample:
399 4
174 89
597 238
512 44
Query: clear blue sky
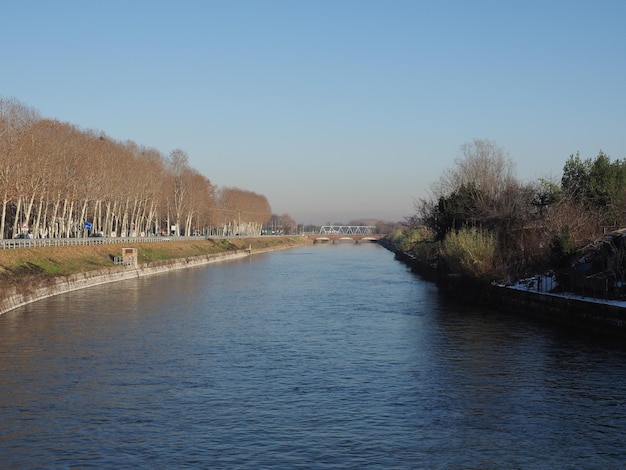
333 109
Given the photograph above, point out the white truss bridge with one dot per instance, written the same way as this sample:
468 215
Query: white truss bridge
347 230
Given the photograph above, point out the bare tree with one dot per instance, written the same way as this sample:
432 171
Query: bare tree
242 212
482 165
15 120
178 166
54 177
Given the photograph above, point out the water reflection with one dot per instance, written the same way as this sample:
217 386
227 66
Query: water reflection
317 357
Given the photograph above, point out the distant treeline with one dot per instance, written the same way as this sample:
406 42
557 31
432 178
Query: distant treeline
481 221
58 180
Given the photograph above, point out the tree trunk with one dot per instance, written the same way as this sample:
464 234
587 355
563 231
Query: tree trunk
37 222
83 217
16 222
3 217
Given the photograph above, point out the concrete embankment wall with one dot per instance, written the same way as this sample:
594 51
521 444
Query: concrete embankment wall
57 286
582 313
601 317
585 314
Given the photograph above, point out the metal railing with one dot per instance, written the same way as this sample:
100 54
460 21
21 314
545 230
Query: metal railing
8 243
41 242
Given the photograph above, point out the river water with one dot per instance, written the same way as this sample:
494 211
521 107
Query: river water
322 357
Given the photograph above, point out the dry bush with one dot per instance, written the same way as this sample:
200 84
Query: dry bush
470 251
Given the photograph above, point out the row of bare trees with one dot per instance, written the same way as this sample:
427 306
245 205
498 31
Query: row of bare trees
57 180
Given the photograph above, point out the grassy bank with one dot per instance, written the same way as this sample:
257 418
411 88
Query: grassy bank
24 266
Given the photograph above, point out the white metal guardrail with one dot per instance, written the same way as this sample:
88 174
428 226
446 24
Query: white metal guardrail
8 243
39 242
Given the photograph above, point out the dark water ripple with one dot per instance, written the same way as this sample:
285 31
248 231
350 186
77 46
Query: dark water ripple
319 357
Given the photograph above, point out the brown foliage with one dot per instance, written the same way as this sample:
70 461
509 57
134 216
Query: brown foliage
55 176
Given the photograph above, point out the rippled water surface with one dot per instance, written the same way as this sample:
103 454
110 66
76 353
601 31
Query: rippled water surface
316 357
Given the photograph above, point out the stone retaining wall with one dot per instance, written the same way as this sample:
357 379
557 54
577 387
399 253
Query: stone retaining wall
83 280
597 316
582 313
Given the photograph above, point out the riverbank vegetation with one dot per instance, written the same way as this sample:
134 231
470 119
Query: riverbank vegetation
480 221
57 180
36 266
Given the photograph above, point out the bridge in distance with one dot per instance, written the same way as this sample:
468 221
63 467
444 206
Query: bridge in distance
338 233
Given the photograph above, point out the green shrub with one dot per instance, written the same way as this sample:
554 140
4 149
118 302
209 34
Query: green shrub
406 240
562 247
470 251
426 250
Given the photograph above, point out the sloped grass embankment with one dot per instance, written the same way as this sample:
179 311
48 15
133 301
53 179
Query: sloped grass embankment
26 270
